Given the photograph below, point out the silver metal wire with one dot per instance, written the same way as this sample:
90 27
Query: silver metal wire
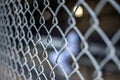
24 50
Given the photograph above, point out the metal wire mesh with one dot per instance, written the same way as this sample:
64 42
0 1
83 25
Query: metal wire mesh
27 38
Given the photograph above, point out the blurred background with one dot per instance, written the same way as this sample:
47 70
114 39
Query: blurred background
109 22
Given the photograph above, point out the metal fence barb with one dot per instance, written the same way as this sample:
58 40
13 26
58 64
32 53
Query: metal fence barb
35 43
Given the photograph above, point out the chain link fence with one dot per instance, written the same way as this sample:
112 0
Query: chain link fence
41 39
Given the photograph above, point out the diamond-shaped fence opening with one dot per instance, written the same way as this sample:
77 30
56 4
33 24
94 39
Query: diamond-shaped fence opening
59 40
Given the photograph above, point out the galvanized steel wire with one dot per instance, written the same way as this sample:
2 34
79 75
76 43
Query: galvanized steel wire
21 57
